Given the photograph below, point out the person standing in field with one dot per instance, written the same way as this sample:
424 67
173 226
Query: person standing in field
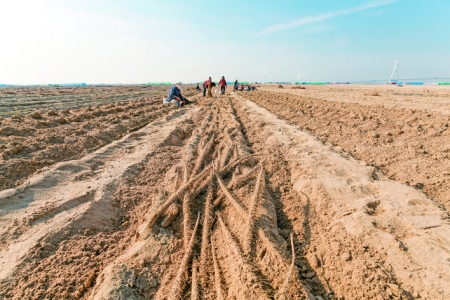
236 83
211 85
206 85
223 85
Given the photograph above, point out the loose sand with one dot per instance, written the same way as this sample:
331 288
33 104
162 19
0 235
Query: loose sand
255 195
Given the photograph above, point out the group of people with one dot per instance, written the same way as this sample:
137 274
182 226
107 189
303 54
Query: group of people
209 84
240 87
175 97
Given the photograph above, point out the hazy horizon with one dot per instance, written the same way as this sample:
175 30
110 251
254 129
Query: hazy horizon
133 42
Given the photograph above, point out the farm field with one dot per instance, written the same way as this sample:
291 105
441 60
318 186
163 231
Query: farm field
271 194
25 100
411 145
56 130
427 98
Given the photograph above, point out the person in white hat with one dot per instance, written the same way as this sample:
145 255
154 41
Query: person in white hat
175 96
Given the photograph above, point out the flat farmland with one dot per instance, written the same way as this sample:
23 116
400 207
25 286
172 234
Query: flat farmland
403 131
273 194
50 125
429 98
24 100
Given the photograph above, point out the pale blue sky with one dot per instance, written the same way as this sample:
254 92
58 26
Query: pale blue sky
136 41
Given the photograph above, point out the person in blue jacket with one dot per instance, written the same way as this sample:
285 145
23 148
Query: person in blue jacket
175 96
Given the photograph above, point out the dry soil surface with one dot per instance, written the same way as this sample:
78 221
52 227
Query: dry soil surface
225 199
28 99
427 98
407 144
51 134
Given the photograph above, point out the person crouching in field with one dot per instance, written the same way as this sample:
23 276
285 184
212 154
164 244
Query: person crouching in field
223 85
175 96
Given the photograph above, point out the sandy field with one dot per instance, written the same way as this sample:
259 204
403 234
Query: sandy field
320 193
429 98
28 99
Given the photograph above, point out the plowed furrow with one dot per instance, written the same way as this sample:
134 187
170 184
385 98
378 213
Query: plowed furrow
237 259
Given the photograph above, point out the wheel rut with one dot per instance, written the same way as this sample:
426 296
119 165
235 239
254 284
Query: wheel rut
235 240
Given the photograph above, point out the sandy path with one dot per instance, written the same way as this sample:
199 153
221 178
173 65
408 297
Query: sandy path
202 205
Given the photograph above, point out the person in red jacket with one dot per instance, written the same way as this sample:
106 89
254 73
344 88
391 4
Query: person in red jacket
223 85
206 83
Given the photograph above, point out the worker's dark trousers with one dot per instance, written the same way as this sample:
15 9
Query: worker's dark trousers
204 92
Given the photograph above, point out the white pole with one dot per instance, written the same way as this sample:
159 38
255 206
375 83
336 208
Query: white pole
395 71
